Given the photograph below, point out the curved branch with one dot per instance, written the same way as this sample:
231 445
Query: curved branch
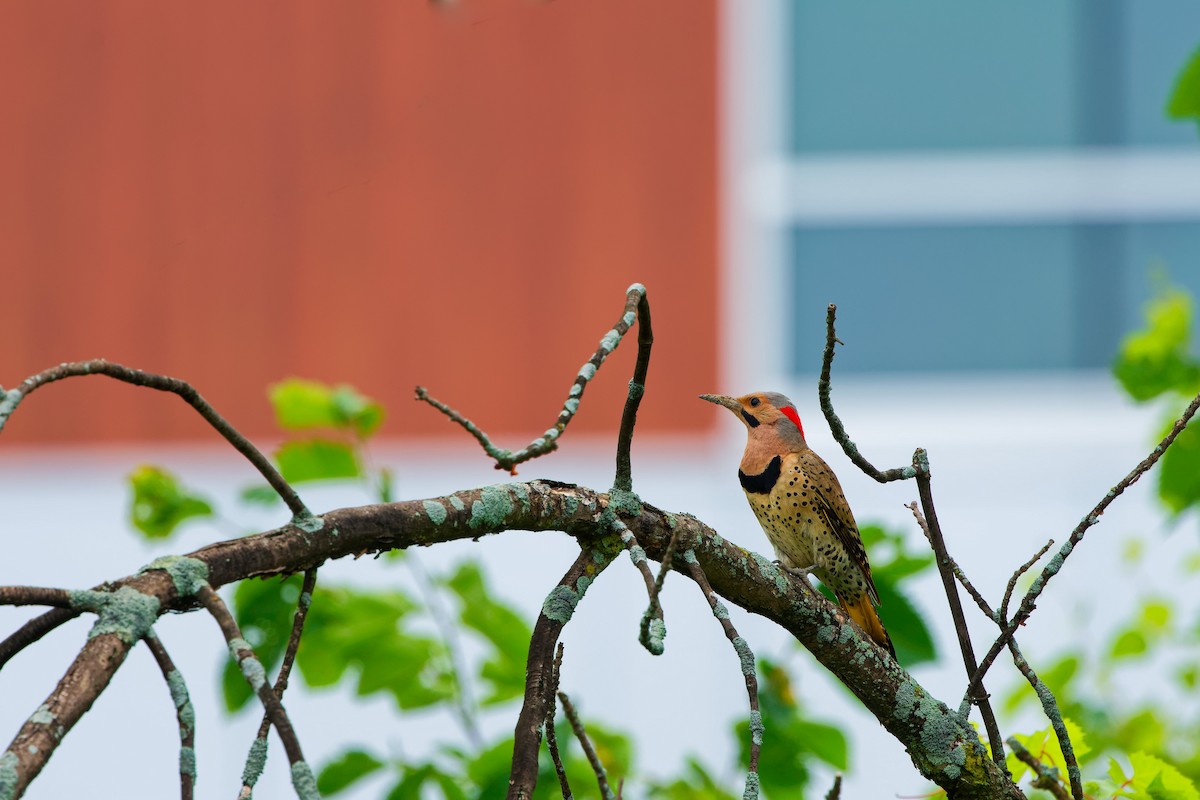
835 423
10 399
185 715
34 630
548 441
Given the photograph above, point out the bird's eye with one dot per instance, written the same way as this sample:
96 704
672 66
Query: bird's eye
755 402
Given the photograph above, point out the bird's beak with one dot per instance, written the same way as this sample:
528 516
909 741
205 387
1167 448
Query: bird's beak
722 400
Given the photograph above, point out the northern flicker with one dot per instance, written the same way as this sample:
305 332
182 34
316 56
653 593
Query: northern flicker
800 505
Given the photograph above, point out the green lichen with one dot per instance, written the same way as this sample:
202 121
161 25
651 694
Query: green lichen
126 613
572 405
906 700
308 522
751 792
744 655
522 493
8 404
8 775
657 635
251 667
182 701
826 634
435 510
576 390
561 602
720 611
491 509
689 556
625 502
305 599
610 340
187 762
457 502
188 574
756 727
587 371
256 760
304 781
43 715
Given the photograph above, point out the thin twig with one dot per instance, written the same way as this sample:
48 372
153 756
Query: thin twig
637 387
1029 601
1050 708
256 759
548 441
651 632
835 792
184 714
557 610
1012 582
551 737
942 557
745 656
586 744
34 596
34 630
835 423
955 568
651 635
10 399
1047 777
256 676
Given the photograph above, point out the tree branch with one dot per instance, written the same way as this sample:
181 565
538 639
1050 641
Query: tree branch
10 399
586 743
185 715
548 441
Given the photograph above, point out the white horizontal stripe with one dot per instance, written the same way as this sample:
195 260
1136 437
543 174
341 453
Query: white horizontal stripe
987 187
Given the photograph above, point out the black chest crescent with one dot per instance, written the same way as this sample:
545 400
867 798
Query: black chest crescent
764 482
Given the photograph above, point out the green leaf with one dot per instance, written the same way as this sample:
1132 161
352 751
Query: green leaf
304 405
1184 102
1160 780
160 503
1128 644
259 495
1153 361
1179 471
346 770
317 459
905 625
500 626
695 784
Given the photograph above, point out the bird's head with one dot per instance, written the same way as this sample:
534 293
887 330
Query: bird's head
761 412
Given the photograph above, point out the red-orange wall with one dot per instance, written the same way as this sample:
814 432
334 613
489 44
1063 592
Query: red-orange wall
383 193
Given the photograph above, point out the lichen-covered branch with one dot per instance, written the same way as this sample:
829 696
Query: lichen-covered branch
749 673
185 714
540 677
10 399
548 441
256 757
303 780
942 745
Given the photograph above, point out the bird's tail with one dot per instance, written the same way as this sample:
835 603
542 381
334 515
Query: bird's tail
863 612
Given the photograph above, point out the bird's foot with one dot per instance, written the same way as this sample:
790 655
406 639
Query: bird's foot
800 572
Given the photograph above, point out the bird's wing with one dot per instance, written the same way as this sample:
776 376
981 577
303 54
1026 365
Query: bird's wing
832 506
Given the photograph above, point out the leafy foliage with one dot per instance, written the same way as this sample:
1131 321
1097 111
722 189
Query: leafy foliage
1184 102
160 502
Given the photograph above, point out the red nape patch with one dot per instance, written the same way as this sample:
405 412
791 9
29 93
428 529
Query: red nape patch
791 414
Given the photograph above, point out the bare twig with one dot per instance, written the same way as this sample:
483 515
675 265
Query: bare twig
34 596
551 737
955 568
556 612
1047 777
184 714
653 628
637 387
34 630
651 635
1012 582
835 792
9 401
835 423
1029 601
302 776
745 656
586 743
548 441
257 757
